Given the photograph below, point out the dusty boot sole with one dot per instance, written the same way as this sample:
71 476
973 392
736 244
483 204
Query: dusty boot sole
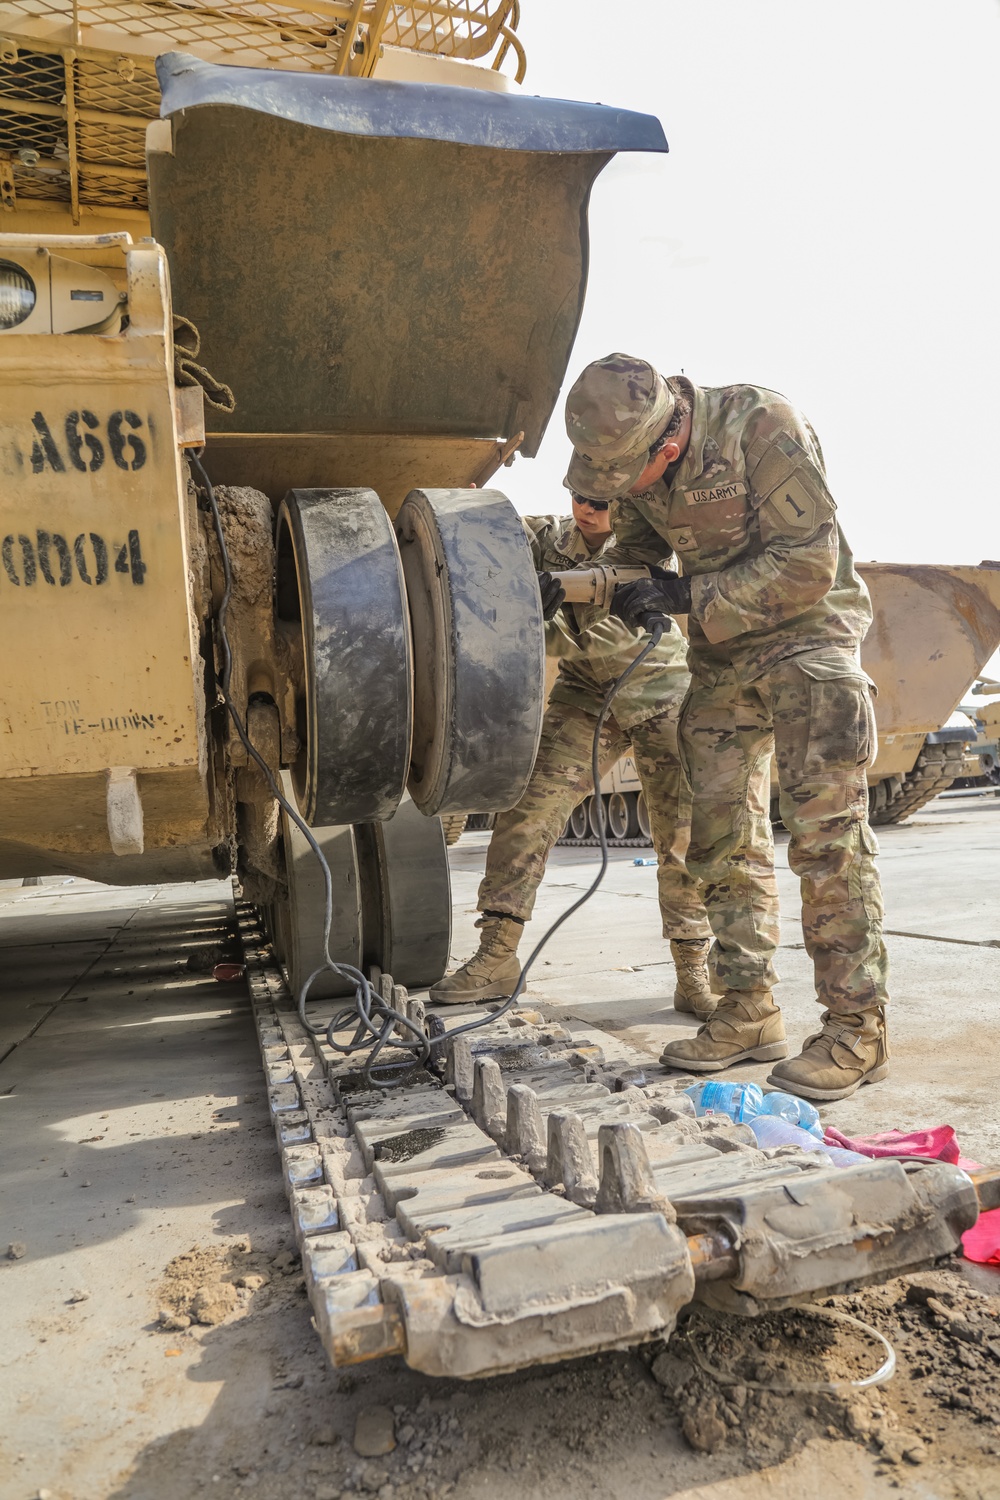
771 1052
470 997
827 1096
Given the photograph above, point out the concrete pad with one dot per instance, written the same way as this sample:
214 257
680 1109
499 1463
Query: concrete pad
150 1096
609 966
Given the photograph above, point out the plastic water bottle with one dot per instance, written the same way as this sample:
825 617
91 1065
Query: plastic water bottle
645 861
772 1131
842 1158
794 1111
740 1101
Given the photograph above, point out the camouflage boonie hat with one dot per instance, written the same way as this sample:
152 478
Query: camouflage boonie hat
615 411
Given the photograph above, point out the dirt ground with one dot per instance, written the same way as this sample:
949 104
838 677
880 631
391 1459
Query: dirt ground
157 1339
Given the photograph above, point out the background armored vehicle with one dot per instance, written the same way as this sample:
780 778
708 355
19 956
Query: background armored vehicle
982 753
934 629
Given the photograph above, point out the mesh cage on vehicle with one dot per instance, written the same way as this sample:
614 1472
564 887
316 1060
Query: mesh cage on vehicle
78 85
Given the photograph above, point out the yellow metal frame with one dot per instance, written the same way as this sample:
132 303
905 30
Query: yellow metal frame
78 86
94 575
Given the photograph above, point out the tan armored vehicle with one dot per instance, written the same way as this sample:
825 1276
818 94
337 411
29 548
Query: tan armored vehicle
366 273
934 629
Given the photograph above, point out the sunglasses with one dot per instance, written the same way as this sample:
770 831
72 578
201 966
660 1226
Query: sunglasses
594 504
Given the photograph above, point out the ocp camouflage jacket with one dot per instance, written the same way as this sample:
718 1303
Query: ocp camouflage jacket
749 515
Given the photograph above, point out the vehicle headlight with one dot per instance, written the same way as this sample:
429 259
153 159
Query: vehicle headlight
17 295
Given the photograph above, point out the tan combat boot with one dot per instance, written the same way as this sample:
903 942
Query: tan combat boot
492 971
746 1026
852 1049
693 995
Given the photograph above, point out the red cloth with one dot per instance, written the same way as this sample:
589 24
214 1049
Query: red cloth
980 1243
939 1143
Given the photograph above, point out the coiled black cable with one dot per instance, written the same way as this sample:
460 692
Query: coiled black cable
374 1020
657 625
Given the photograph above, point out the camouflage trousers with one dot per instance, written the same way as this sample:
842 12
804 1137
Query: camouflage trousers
524 835
813 712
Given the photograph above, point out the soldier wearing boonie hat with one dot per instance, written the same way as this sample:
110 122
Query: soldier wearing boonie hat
732 479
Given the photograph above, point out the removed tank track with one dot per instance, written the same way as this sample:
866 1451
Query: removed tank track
553 1195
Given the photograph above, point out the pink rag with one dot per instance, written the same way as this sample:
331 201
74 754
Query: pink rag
980 1243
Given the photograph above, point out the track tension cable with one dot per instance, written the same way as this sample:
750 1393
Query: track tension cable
376 1024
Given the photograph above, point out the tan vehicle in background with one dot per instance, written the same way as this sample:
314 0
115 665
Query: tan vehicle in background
982 754
933 632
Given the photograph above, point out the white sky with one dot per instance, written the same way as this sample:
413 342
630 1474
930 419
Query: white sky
823 225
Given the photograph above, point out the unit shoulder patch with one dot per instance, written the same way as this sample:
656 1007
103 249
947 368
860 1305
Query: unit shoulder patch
794 507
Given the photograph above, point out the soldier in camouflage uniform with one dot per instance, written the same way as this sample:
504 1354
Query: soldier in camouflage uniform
645 722
733 481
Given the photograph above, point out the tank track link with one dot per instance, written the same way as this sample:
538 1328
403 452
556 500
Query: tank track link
613 843
454 825
897 797
553 1195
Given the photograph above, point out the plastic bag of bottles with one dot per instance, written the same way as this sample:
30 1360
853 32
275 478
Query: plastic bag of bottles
743 1102
772 1131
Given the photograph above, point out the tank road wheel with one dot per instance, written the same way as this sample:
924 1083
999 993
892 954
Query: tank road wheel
622 820
642 817
478 649
406 896
341 604
579 822
298 939
596 806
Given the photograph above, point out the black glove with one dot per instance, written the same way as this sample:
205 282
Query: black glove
663 594
553 594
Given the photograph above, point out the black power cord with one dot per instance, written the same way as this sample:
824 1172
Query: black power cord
373 1019
656 625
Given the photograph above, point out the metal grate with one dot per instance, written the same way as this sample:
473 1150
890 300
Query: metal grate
66 96
47 187
112 192
29 133
112 143
270 32
125 87
468 30
263 34
36 77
